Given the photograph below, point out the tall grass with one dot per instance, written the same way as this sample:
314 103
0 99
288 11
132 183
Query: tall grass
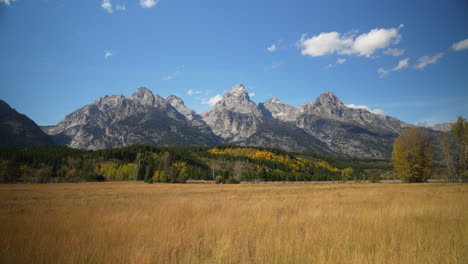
131 222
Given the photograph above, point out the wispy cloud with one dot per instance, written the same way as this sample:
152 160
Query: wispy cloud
401 65
382 72
365 107
213 100
251 94
107 54
106 4
364 45
193 92
424 61
460 45
7 2
394 52
272 48
340 61
148 3
120 7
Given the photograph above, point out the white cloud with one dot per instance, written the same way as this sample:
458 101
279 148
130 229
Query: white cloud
251 94
148 3
107 54
272 48
366 44
426 60
340 61
120 7
382 72
324 43
365 107
213 100
193 92
7 2
167 78
401 65
362 45
394 52
106 4
460 45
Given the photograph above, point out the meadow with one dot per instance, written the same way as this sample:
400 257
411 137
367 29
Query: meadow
134 222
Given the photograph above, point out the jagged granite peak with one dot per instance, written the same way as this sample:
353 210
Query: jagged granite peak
143 118
235 117
237 100
329 98
179 105
274 108
350 131
144 96
326 103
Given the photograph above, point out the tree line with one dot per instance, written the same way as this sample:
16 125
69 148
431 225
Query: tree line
412 161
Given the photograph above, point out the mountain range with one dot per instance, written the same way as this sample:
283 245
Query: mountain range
325 126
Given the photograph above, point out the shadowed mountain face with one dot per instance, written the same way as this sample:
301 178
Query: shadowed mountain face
17 130
325 126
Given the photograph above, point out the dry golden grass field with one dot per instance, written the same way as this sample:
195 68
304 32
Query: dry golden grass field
130 222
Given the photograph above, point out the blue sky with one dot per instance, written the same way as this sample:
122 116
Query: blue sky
406 59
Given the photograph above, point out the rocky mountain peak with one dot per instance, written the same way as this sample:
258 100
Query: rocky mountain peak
174 100
144 96
237 90
235 116
179 105
328 99
237 100
276 109
327 103
237 94
274 100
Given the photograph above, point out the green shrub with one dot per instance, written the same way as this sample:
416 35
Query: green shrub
374 178
219 179
231 180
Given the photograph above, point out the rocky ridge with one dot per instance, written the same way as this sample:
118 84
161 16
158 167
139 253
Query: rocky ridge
143 118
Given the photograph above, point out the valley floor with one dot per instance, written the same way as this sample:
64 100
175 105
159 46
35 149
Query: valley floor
133 222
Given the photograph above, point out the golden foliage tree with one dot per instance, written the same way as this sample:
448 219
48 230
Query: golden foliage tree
447 147
413 155
460 132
